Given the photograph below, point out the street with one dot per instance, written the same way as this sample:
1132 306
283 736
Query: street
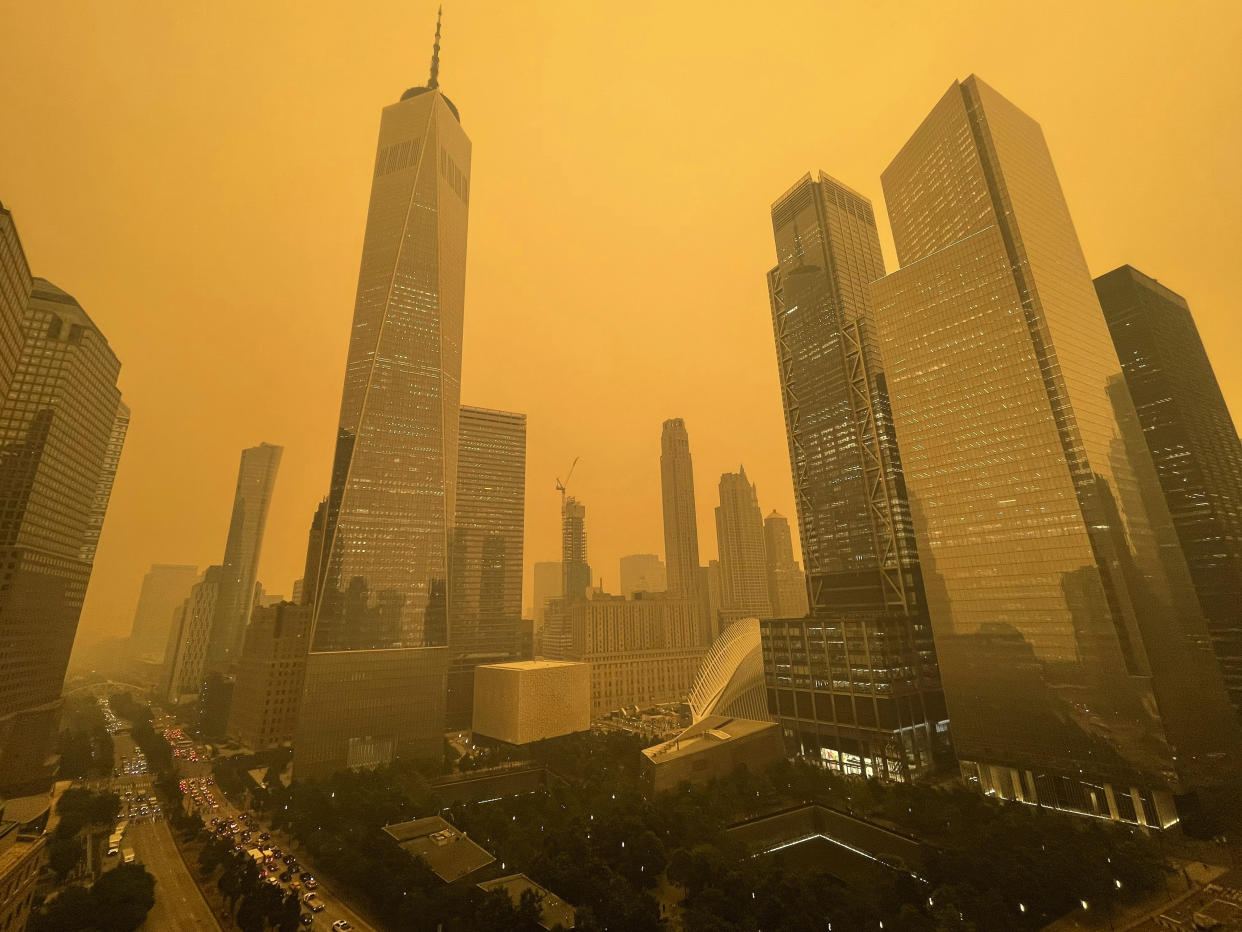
179 906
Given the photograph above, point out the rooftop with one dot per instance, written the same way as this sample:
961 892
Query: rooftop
447 851
533 665
553 910
710 732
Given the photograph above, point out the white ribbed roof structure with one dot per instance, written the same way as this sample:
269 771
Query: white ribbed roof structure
730 679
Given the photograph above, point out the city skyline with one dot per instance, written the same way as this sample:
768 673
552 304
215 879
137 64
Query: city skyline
137 536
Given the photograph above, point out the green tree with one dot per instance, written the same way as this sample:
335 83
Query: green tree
123 897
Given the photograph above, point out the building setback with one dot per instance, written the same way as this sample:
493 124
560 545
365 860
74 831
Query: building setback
1193 444
786 581
375 676
866 698
270 676
485 595
59 444
681 522
1075 659
15 285
739 541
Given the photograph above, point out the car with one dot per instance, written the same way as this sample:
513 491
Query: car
265 836
312 900
286 877
341 925
306 919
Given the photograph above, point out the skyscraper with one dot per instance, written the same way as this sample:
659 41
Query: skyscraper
164 588
375 677
681 523
1193 444
739 539
270 675
256 477
485 596
15 284
786 581
866 701
575 570
642 572
549 583
58 436
189 640
1075 659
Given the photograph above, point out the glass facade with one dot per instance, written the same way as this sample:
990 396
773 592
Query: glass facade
59 446
485 593
1075 661
1193 444
381 593
575 571
256 477
855 686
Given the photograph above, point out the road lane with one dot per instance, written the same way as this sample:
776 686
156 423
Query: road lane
179 905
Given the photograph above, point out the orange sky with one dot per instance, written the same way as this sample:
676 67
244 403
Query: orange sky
197 176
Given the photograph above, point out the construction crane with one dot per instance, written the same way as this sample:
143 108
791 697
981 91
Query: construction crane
563 486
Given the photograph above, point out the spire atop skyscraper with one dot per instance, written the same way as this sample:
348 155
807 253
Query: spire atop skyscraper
434 81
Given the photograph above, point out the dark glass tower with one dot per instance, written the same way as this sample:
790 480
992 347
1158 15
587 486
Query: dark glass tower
1193 443
485 593
1074 657
855 685
375 677
61 428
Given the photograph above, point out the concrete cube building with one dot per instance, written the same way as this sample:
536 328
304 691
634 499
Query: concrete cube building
531 700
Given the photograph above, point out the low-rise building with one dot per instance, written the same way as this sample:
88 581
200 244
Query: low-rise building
642 651
20 858
529 700
442 847
553 911
710 749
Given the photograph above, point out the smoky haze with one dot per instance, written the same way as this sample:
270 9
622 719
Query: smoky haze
197 177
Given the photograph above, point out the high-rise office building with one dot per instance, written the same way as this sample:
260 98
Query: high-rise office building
739 539
642 572
866 701
710 601
786 581
1074 656
1193 444
681 523
256 477
270 675
575 570
549 583
164 588
189 640
485 595
15 285
58 427
375 676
